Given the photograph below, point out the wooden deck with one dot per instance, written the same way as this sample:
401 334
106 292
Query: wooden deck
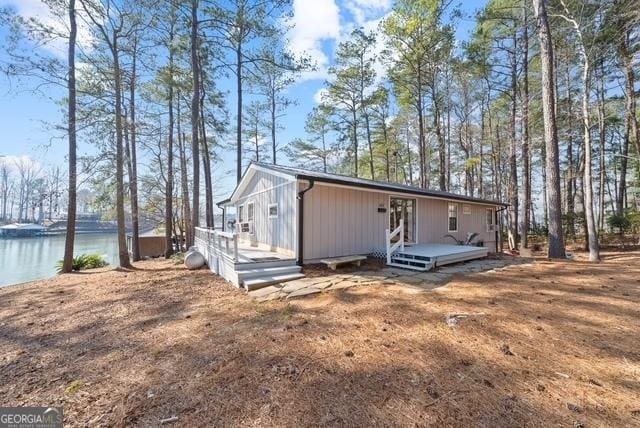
249 254
442 254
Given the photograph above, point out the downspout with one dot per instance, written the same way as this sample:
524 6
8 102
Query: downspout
300 199
498 229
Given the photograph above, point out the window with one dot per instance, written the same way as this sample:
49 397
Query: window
490 220
466 209
241 214
453 217
273 210
250 211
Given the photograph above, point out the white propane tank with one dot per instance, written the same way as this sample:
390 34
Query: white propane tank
194 260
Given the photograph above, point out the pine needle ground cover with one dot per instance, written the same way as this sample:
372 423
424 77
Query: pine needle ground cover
543 345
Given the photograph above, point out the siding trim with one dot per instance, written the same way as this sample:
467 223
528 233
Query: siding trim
248 175
245 197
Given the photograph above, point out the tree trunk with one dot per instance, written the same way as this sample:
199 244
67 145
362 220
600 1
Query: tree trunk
601 138
526 154
594 248
184 183
133 180
355 140
239 113
571 180
206 164
67 264
442 150
272 105
195 123
123 253
513 165
556 238
371 167
168 192
421 141
587 184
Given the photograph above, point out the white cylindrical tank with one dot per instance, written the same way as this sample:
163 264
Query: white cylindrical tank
194 259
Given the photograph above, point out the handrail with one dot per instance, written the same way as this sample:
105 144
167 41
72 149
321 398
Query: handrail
399 231
213 239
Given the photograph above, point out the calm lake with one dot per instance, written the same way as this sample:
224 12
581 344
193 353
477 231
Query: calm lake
27 259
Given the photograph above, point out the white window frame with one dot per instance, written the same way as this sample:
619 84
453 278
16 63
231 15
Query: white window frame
253 211
241 213
449 217
277 210
491 227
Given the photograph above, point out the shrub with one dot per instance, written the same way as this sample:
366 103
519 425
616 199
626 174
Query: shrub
178 258
84 261
619 222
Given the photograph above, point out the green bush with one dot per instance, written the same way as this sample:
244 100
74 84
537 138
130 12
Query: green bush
178 258
84 261
619 222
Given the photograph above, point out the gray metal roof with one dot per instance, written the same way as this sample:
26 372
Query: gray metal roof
345 180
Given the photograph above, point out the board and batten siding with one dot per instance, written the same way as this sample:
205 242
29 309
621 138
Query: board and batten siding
433 222
263 190
341 221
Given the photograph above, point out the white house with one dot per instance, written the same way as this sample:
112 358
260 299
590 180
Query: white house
287 217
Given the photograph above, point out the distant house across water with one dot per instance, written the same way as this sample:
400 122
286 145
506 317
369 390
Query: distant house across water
20 230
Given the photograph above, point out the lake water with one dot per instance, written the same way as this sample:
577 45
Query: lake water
28 259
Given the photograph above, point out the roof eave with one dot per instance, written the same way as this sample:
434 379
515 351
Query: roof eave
397 190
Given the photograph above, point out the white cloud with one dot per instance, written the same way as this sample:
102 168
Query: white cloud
37 9
314 23
14 163
319 95
364 10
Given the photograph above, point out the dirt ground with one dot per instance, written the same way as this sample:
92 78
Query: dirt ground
553 344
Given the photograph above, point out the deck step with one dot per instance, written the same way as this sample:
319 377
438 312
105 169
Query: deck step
260 282
405 266
412 256
247 274
251 265
401 259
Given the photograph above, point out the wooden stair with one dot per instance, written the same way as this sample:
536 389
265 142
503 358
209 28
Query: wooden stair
410 261
254 278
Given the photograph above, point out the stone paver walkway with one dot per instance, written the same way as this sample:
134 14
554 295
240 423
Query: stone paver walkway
415 281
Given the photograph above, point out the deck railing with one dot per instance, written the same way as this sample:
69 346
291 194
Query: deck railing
217 241
391 246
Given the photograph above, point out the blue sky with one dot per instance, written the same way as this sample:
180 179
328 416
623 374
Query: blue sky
319 27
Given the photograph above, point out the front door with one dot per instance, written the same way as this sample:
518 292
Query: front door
400 208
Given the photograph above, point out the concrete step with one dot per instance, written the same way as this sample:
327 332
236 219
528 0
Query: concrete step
405 266
260 282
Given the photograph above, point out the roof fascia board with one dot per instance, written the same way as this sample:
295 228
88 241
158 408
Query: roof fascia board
381 189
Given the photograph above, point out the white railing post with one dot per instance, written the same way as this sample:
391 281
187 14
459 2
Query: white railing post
388 244
235 247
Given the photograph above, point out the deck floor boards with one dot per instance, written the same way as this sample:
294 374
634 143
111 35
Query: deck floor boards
438 250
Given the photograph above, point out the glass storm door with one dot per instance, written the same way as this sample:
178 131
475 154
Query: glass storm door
403 209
